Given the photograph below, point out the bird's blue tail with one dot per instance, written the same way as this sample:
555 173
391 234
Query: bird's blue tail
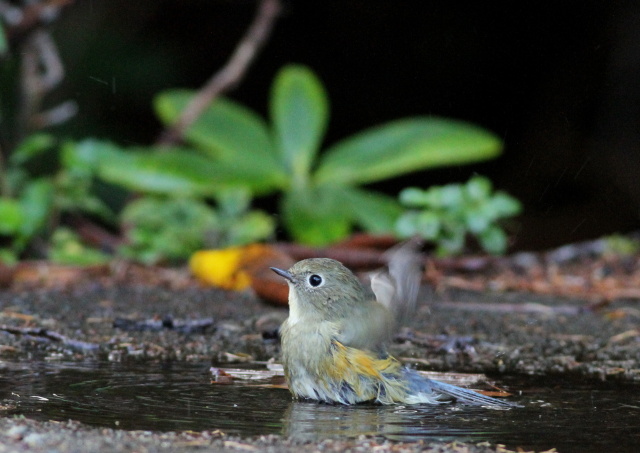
421 384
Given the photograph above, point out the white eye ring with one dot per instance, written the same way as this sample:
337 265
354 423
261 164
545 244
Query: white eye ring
315 280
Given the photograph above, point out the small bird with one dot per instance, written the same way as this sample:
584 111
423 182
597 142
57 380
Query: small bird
334 340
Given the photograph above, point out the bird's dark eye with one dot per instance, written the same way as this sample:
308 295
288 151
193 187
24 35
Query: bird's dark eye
315 280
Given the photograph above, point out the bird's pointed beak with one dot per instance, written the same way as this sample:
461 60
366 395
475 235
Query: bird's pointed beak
284 274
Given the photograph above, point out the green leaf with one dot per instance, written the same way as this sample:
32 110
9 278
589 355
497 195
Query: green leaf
405 146
451 241
478 188
173 172
233 201
425 224
316 215
66 248
230 132
449 196
504 205
8 257
413 197
36 202
406 225
31 147
476 221
4 42
86 155
493 240
375 212
11 216
299 112
251 227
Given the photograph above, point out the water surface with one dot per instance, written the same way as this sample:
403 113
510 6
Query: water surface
181 397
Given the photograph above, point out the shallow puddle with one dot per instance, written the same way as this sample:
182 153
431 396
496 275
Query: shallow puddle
180 397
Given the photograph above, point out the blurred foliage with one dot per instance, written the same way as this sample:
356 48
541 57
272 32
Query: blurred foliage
68 248
620 245
4 45
321 200
173 216
158 229
173 228
31 204
446 214
199 195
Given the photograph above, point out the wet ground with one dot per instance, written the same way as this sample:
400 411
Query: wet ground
72 381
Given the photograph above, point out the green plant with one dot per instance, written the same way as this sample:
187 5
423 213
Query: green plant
173 216
447 214
66 247
158 229
173 228
321 199
31 203
620 245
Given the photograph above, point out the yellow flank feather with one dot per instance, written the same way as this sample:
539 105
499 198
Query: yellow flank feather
369 377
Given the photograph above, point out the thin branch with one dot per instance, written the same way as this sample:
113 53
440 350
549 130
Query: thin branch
230 74
20 21
41 71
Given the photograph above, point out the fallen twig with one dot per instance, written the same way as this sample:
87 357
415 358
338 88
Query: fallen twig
49 335
168 323
528 307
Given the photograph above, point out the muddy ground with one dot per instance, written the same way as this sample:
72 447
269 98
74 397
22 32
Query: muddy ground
499 334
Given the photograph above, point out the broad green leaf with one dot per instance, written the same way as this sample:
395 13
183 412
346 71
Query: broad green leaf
299 112
174 172
36 202
31 147
86 155
11 216
227 131
316 215
405 146
158 173
375 212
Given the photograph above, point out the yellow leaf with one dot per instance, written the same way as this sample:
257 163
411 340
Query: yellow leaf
221 268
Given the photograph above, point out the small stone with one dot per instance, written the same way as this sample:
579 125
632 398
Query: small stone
16 432
34 439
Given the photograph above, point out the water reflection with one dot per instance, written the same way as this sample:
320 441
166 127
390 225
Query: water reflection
308 421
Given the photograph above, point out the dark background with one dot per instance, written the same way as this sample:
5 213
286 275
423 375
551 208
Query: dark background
558 81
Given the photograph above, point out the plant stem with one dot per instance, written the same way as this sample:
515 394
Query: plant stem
230 74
